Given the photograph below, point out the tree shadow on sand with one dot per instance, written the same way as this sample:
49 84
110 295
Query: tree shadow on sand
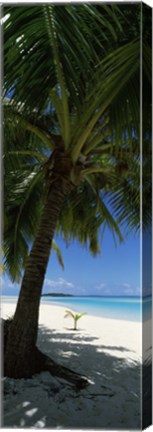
111 400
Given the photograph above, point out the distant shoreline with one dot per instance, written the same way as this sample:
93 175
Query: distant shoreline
57 295
82 296
93 295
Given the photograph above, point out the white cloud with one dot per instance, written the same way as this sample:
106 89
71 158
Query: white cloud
117 290
104 289
129 291
101 286
1 281
60 283
126 285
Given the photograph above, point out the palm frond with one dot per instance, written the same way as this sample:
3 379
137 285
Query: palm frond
63 98
23 204
114 73
55 247
69 313
28 51
26 124
80 315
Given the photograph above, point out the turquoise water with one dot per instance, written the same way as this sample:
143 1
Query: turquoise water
123 308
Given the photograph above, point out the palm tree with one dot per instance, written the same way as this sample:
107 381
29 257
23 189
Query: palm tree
76 159
75 316
24 200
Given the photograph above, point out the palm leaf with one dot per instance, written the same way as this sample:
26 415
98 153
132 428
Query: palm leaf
27 125
116 70
28 51
69 313
80 315
21 217
55 247
63 100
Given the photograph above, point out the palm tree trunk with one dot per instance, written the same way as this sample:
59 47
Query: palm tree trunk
22 358
75 324
23 331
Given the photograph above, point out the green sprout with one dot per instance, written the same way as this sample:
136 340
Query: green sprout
75 316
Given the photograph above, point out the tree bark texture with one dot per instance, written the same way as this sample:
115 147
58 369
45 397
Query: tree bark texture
20 356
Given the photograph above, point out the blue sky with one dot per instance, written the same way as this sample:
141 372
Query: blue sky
115 272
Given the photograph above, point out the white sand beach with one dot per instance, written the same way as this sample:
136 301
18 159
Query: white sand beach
107 352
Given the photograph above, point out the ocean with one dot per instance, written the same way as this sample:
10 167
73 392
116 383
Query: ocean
122 308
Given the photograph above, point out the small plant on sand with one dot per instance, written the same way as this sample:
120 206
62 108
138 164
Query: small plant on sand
75 316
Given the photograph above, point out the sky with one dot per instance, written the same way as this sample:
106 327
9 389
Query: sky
115 272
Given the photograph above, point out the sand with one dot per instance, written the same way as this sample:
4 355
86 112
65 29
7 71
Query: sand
108 352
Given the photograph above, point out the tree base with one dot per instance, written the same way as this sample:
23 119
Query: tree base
47 364
36 362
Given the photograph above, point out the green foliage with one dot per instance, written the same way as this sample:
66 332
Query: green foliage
75 316
88 108
55 247
35 35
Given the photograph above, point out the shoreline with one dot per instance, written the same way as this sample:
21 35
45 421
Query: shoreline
44 301
112 331
107 352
